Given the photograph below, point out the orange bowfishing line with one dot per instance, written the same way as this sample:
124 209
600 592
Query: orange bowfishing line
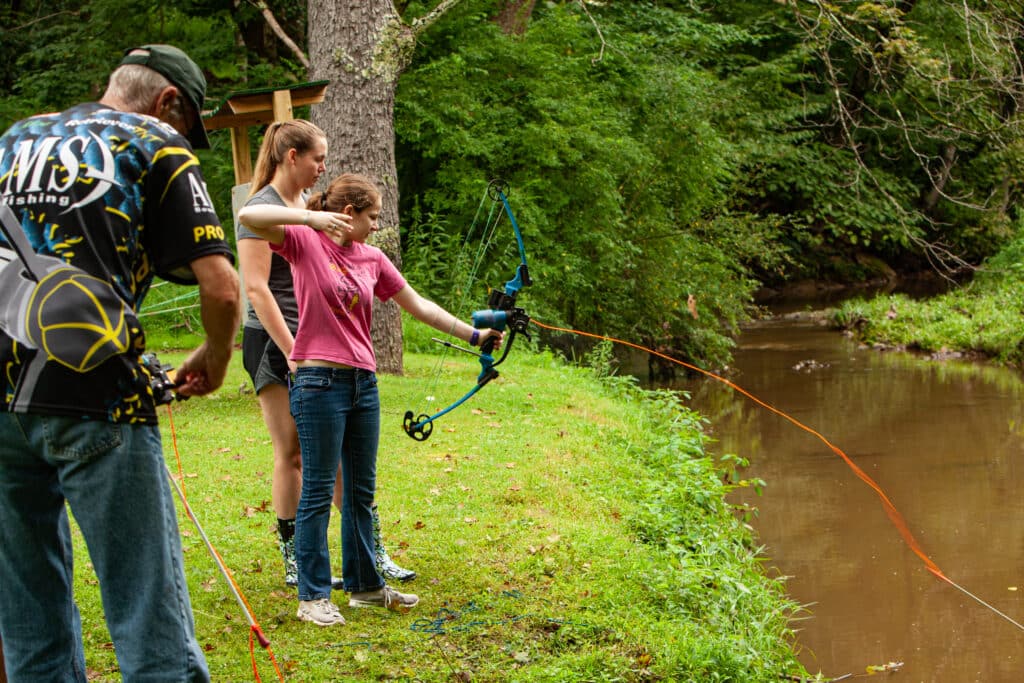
255 632
894 515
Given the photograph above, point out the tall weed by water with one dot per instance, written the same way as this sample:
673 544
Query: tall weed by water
711 573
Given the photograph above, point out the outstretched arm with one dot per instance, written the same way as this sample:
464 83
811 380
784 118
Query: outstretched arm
441 320
268 220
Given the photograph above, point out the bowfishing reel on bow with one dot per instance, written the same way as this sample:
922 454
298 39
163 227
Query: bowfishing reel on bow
502 314
515 320
159 381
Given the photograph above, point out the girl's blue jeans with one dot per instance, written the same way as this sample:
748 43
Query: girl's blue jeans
337 413
113 478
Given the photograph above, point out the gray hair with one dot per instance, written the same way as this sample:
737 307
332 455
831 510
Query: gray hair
136 86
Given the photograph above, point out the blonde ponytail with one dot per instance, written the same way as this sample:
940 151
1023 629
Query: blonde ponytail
280 137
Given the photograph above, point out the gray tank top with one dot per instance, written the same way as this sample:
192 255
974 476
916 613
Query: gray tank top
280 280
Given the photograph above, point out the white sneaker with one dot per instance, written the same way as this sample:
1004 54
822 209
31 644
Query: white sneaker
386 597
321 612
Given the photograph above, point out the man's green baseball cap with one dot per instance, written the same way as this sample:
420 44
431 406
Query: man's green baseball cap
175 66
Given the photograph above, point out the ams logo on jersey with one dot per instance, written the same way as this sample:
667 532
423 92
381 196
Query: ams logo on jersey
46 173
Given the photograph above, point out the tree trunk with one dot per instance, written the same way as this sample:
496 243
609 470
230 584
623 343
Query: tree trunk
361 47
514 16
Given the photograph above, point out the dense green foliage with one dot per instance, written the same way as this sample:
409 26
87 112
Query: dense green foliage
615 170
703 146
654 150
60 52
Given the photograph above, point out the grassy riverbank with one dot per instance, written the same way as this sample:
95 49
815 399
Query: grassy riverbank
564 527
981 319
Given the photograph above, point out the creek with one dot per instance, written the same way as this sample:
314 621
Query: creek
943 439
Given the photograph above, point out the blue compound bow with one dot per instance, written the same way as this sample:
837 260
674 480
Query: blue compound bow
501 314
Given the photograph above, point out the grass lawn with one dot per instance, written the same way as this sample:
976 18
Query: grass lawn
564 528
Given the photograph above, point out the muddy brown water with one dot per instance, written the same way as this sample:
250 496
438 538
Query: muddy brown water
945 440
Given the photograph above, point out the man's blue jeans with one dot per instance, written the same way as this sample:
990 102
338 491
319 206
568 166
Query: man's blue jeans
113 478
337 412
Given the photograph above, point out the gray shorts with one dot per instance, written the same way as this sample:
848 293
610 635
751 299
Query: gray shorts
262 359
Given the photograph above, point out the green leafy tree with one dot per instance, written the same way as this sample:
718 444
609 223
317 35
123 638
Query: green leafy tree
923 103
616 170
62 52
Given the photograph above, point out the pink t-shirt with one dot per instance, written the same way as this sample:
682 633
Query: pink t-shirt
335 287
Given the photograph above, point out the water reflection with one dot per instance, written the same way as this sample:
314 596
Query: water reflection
945 441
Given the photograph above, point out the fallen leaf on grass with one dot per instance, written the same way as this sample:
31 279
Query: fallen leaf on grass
249 511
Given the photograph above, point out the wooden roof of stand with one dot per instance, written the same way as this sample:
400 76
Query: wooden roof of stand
263 105
258 106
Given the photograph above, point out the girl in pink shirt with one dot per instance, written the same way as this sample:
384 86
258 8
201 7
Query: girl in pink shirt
334 395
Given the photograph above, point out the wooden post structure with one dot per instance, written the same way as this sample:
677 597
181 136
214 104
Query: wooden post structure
245 108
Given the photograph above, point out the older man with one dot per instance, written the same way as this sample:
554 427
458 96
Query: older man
95 201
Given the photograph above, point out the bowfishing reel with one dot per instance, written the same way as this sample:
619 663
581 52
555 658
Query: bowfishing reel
159 381
516 320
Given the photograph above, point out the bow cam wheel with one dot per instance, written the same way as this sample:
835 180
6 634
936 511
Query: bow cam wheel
419 428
